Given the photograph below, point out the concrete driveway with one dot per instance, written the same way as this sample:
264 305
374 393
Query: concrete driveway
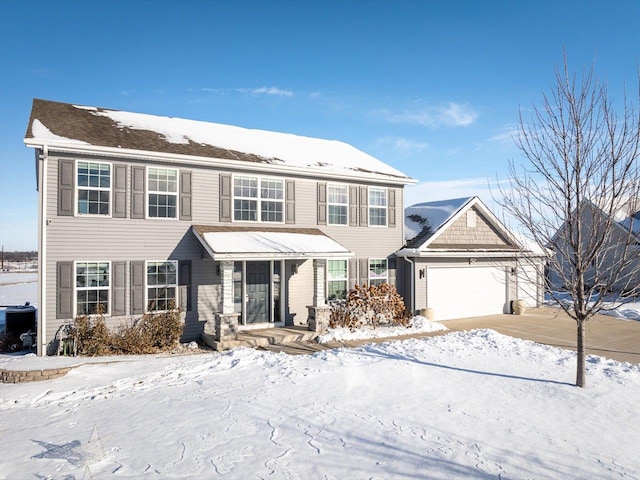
606 336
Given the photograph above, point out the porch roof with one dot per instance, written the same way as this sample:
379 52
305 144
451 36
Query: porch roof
267 243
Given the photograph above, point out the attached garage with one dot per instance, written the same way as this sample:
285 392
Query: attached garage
470 291
461 261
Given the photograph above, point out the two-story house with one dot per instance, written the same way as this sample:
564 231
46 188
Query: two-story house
241 228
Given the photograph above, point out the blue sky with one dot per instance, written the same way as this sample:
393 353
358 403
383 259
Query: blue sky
432 88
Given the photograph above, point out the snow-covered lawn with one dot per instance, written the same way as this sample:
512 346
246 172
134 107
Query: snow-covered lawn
462 405
18 288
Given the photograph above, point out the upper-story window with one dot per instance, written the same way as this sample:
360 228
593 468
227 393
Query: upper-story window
92 288
377 206
94 188
162 285
337 204
162 192
258 199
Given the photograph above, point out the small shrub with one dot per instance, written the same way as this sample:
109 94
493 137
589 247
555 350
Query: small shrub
369 305
153 332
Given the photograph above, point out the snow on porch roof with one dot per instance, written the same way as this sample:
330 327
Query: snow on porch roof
252 243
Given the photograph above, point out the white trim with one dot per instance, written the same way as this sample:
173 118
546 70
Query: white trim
258 199
77 187
386 206
42 252
75 286
146 284
221 163
345 279
346 205
148 192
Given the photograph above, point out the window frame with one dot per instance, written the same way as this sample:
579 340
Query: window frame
77 289
149 192
147 286
377 277
258 198
373 207
345 204
345 279
78 187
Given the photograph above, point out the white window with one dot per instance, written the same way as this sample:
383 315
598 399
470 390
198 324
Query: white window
92 288
378 272
162 192
377 206
337 204
258 199
94 188
162 285
336 279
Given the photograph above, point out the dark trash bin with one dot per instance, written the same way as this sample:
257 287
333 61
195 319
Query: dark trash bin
20 324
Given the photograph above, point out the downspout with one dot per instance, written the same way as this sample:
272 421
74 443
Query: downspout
42 251
412 288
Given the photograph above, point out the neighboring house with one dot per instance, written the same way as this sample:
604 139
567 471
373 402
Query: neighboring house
464 262
623 230
241 228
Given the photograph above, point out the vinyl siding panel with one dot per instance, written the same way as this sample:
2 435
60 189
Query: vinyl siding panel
300 291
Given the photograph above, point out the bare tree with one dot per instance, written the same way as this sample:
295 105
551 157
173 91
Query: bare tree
579 179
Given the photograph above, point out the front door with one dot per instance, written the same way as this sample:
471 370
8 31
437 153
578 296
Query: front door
257 281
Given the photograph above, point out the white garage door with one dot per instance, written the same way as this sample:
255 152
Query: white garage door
461 292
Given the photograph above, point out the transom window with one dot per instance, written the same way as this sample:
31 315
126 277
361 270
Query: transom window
258 199
162 284
92 288
377 206
378 271
338 204
94 188
336 279
162 187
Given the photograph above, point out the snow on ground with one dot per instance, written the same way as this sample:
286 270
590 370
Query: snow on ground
419 324
18 288
463 405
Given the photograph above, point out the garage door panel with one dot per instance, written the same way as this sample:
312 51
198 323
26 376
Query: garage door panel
459 292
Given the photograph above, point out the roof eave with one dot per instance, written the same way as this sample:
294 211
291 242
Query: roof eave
64 147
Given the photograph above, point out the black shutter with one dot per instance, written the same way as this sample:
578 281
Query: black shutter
290 201
137 288
66 184
225 197
119 208
138 182
185 195
322 203
118 279
64 285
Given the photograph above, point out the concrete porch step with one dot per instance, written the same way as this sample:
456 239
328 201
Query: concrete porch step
262 338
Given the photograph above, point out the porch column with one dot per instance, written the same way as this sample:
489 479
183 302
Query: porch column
225 327
319 312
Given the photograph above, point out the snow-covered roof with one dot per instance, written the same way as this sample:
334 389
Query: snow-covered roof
424 219
267 243
62 124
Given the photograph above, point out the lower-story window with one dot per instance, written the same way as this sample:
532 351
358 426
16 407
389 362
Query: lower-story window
378 272
336 279
162 285
92 288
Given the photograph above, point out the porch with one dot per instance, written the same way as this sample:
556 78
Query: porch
262 337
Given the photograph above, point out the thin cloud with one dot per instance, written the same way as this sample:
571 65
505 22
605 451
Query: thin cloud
507 136
430 191
266 91
449 115
402 144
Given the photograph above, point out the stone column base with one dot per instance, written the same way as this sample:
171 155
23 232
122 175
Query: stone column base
225 327
319 318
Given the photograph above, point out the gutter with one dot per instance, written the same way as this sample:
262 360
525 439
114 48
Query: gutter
412 289
42 166
217 162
